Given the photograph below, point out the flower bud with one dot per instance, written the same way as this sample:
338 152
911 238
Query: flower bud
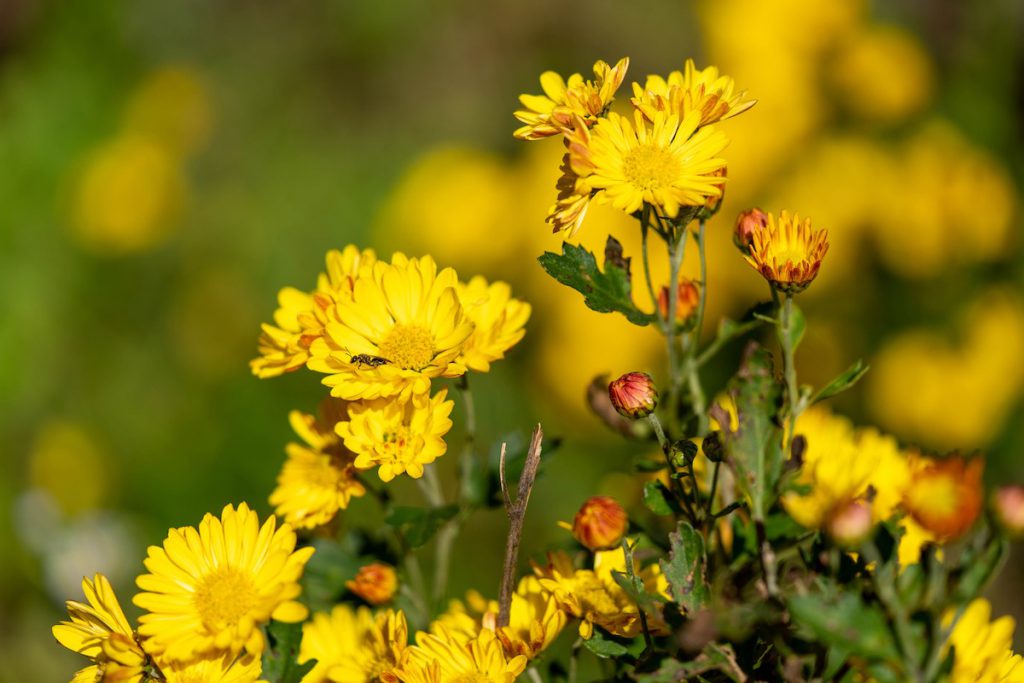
600 524
850 523
713 204
747 224
1008 504
687 299
376 583
633 395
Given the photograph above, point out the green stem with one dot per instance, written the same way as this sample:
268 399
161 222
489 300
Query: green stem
789 355
677 249
691 343
892 603
574 659
628 555
674 485
645 229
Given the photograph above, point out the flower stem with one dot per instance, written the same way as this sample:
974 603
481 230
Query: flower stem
676 249
788 354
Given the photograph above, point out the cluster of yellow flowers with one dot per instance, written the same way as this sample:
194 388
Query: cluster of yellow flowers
380 331
664 155
208 593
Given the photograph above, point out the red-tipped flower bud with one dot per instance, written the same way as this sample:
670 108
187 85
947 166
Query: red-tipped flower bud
633 395
1008 504
600 524
687 299
850 523
376 583
747 224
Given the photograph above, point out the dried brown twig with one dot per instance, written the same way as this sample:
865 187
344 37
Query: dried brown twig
516 511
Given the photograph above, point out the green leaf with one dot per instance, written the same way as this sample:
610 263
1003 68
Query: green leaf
714 658
280 659
844 381
841 620
978 568
686 568
418 525
656 498
604 647
604 291
323 580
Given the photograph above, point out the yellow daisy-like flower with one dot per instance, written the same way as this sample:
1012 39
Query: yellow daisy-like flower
352 645
443 658
595 598
209 589
788 253
982 651
219 670
319 478
499 321
704 91
572 200
402 327
301 316
464 619
549 114
667 163
100 631
397 436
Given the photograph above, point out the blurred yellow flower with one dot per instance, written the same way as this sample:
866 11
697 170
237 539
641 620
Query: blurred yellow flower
883 74
667 163
945 495
499 321
571 201
319 478
700 90
351 645
171 105
397 436
402 327
443 658
128 195
210 589
69 464
982 648
788 253
100 631
550 114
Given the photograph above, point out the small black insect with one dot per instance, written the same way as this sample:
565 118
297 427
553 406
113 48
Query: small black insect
372 361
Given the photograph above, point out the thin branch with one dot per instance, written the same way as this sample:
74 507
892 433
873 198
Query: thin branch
516 515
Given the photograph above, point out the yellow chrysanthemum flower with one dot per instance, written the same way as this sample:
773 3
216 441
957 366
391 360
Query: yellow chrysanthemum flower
219 670
397 436
301 316
209 589
572 200
788 253
444 658
352 645
667 163
403 326
498 318
535 619
100 631
551 113
693 90
595 598
982 649
319 478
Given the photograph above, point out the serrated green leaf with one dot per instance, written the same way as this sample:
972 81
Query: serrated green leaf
841 620
280 658
686 568
418 525
604 647
843 381
656 498
604 291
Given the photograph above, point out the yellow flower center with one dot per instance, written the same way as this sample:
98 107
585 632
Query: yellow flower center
224 596
792 253
409 347
326 472
650 167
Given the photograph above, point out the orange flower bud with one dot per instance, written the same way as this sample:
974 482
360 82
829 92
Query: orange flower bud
376 583
850 523
600 524
1008 503
687 299
747 224
945 495
713 203
633 395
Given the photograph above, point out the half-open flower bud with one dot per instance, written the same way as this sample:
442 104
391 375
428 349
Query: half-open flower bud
1008 504
600 523
376 583
747 224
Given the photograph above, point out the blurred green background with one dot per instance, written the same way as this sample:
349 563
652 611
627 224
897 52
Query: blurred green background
166 167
